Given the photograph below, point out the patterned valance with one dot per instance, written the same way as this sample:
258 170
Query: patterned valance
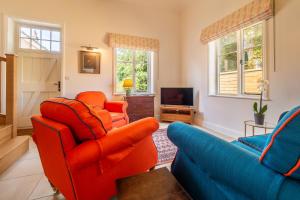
127 41
253 12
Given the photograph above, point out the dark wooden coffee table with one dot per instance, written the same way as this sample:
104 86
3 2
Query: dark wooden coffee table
158 184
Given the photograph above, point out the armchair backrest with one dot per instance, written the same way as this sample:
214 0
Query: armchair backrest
92 98
84 123
46 134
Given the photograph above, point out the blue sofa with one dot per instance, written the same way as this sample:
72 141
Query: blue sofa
211 168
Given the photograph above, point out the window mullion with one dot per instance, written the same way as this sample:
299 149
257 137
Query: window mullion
149 83
133 70
240 62
218 66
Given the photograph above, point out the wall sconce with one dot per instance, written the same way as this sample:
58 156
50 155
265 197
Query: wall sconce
89 48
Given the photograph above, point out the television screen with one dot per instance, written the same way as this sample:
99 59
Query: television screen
177 96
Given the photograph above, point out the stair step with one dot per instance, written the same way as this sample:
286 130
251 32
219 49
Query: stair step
12 150
5 133
2 119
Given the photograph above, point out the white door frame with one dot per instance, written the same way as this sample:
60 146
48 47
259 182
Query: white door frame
4 48
36 54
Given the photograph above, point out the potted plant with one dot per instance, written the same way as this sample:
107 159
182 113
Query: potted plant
260 110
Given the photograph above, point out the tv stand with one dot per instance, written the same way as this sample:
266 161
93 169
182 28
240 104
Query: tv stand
177 113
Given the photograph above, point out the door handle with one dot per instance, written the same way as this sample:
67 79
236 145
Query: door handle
58 85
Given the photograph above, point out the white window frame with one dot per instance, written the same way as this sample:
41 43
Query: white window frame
149 70
41 27
213 73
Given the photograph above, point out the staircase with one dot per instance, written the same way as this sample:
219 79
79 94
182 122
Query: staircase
12 147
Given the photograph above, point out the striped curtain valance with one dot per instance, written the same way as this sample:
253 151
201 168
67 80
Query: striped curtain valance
253 12
135 42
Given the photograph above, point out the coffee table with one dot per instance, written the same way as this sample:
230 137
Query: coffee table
158 184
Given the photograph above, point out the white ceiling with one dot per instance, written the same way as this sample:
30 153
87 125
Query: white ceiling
172 4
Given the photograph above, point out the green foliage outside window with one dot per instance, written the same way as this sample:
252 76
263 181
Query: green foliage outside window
228 53
252 50
132 64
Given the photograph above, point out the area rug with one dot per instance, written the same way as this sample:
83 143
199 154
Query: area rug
165 148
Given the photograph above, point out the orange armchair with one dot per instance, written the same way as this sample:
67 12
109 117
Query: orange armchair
84 169
98 101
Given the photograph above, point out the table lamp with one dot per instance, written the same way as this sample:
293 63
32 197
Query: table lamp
127 85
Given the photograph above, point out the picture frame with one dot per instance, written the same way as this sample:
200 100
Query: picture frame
89 62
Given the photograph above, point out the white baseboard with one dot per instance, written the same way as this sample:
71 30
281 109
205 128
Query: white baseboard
223 130
157 117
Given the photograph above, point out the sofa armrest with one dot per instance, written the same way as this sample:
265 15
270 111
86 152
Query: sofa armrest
127 136
226 163
116 106
84 155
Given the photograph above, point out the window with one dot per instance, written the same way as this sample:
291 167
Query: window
135 65
43 39
237 62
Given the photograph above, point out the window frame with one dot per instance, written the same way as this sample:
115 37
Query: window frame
40 27
213 62
150 56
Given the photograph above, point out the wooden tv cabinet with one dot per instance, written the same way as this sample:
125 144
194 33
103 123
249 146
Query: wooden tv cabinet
177 113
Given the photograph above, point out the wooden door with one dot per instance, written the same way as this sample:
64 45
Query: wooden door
39 76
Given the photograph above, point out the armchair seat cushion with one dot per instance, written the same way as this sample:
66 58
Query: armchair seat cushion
117 116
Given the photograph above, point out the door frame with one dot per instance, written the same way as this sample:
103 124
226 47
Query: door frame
34 54
5 18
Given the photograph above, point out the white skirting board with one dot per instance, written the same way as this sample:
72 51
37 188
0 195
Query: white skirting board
223 130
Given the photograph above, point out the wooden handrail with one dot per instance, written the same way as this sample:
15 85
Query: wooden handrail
2 59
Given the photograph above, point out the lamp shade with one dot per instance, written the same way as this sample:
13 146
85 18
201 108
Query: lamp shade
128 83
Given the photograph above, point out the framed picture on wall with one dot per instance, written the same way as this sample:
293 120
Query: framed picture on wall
89 62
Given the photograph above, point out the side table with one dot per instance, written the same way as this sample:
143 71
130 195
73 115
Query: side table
266 126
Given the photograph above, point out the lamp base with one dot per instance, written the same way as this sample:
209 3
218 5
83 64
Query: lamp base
128 92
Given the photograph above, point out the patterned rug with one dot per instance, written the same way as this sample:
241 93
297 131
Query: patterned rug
166 149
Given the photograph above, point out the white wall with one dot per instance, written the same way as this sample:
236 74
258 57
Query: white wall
227 114
87 22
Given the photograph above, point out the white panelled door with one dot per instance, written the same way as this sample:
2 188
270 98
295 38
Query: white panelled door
39 76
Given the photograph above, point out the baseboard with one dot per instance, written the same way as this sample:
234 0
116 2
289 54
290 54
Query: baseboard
157 117
223 130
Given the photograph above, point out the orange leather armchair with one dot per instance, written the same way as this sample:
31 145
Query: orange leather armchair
86 169
98 101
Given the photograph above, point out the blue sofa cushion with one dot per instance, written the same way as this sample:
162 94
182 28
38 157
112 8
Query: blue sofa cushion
257 142
282 149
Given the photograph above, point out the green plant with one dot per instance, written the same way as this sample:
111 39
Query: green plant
261 109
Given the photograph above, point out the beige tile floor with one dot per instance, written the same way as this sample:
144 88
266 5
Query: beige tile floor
25 179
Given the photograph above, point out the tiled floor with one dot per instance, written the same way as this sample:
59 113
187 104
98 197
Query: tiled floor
25 179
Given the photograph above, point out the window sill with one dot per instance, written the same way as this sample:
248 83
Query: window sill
249 97
134 94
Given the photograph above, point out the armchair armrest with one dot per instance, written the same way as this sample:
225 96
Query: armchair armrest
115 141
127 136
226 163
116 106
83 155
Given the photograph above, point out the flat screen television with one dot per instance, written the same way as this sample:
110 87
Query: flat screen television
177 96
